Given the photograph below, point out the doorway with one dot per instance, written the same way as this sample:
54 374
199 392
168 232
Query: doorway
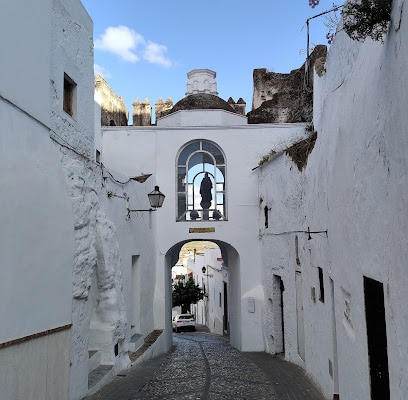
279 334
376 339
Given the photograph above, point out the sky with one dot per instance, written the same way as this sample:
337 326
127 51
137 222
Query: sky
144 49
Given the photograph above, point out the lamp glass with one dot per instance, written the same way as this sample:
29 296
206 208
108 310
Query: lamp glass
156 198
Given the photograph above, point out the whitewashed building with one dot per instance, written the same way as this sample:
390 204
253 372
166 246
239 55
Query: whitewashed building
315 253
37 217
210 273
178 152
68 239
334 248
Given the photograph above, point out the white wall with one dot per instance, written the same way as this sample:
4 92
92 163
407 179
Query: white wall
215 286
37 230
355 186
72 54
367 192
36 369
201 118
25 66
208 311
136 150
36 239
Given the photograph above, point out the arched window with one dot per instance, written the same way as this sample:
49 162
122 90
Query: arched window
201 191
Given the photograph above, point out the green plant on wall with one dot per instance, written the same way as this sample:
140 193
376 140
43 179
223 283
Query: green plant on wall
366 18
361 18
266 157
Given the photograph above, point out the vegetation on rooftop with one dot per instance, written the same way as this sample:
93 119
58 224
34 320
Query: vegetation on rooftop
299 152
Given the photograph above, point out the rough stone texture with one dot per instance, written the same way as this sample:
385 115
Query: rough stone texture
239 106
162 107
201 94
142 113
109 316
201 101
283 98
113 107
204 366
82 182
98 315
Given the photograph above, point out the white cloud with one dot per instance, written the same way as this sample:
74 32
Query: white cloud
99 70
121 41
155 54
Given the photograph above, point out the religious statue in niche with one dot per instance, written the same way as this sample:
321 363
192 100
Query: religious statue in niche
205 191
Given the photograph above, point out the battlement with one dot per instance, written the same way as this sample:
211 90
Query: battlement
114 112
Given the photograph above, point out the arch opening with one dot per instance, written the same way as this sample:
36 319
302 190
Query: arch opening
214 267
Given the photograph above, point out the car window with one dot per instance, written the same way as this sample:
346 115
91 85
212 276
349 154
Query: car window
186 316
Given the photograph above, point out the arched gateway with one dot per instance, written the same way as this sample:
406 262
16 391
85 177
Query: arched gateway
231 260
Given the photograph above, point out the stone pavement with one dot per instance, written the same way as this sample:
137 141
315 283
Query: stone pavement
206 367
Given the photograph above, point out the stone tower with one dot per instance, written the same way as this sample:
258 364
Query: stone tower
286 98
113 107
239 106
161 107
142 113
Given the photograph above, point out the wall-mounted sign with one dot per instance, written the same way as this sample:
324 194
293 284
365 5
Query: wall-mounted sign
201 230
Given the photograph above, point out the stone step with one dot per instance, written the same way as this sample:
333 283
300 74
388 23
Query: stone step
99 377
148 341
94 359
135 342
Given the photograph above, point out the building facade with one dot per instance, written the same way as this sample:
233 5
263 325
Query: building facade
310 219
199 142
37 217
334 270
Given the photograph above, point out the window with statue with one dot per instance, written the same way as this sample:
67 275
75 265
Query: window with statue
201 194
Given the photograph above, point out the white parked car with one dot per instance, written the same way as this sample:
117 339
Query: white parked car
184 322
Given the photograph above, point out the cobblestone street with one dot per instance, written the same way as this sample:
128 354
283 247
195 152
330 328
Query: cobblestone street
205 366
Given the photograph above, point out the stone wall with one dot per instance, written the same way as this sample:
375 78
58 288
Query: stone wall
161 108
239 106
113 107
142 113
282 98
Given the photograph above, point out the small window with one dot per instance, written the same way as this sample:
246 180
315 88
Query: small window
98 156
69 101
321 284
220 300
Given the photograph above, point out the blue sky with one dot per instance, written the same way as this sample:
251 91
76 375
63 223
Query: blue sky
145 49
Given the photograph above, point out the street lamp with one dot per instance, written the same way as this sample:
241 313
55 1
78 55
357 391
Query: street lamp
156 199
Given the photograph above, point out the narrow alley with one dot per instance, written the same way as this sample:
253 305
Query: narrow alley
205 366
